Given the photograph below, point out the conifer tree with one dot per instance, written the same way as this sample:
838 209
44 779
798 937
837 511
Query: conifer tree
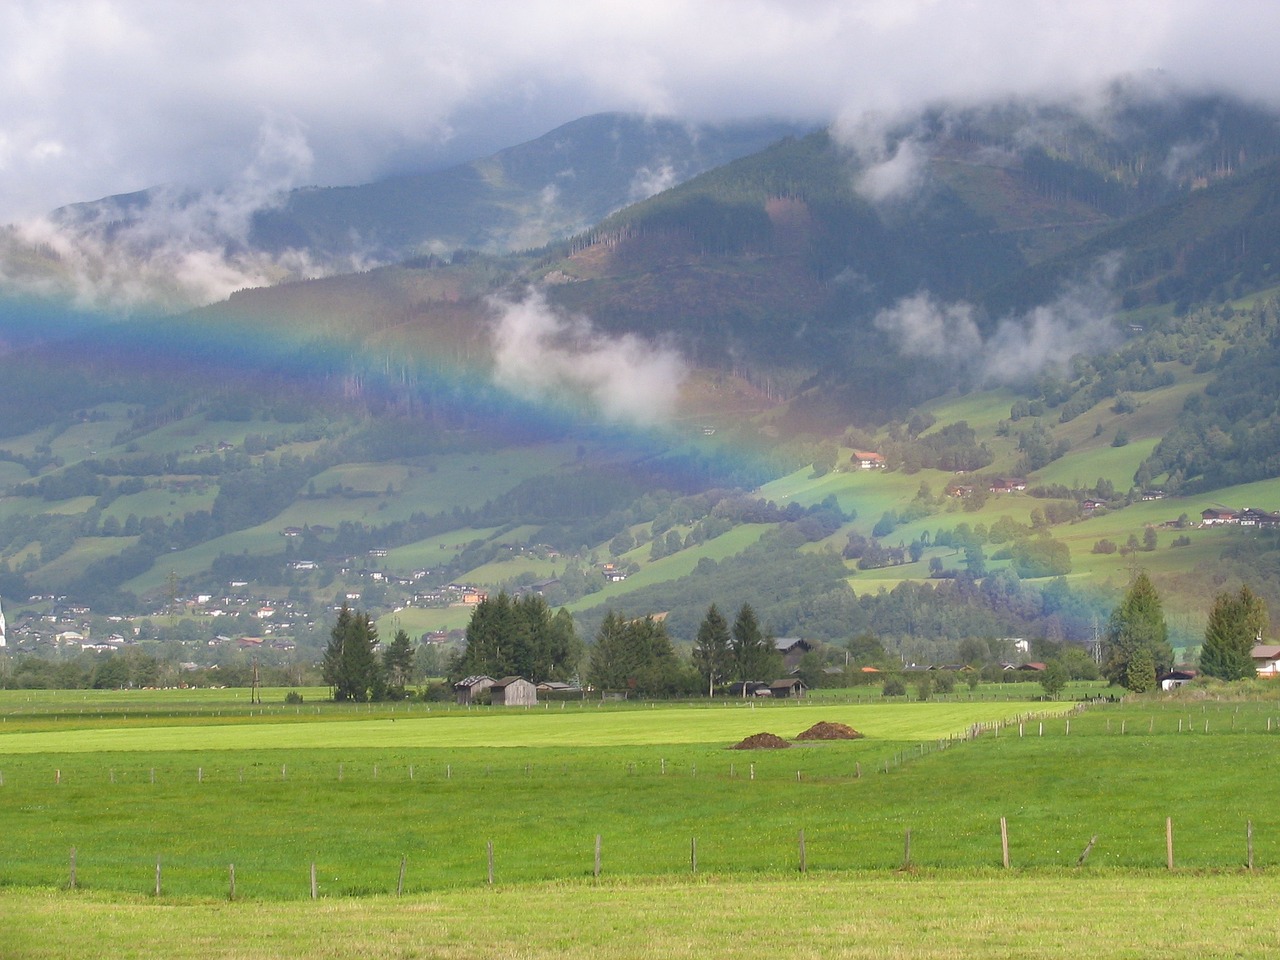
397 664
1236 623
754 654
350 664
1137 624
712 654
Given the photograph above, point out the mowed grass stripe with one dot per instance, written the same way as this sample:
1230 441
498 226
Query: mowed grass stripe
872 916
535 727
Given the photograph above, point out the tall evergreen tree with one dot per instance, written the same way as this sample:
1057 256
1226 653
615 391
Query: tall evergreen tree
398 664
350 665
520 637
612 661
1137 624
1236 623
755 657
712 653
636 656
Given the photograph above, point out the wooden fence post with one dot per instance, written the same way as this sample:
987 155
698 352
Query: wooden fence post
598 850
315 890
72 878
804 866
693 854
1004 842
1168 841
490 850
400 882
157 876
1248 833
231 890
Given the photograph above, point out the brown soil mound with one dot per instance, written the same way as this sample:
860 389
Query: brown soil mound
761 741
823 730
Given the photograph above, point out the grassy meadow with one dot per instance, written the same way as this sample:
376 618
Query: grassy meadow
198 781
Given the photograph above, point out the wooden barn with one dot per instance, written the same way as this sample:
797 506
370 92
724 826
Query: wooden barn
513 692
792 687
465 690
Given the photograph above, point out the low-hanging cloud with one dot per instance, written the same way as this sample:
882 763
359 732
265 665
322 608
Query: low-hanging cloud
541 354
175 248
102 97
1044 339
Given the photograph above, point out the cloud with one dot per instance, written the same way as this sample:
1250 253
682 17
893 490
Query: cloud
105 96
1020 348
173 248
541 354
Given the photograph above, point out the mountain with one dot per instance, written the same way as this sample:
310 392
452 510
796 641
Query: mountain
523 196
673 405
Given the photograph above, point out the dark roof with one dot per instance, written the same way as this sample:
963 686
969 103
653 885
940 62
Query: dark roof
786 644
466 682
507 681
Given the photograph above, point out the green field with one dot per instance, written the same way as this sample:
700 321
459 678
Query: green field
200 781
916 915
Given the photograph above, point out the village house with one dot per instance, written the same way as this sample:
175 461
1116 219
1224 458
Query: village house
1218 515
1266 659
1175 678
792 649
1007 485
868 460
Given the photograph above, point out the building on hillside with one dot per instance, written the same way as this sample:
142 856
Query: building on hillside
868 460
1216 515
467 689
513 692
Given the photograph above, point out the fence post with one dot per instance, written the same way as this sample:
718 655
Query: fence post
1004 842
490 851
693 854
231 891
803 860
1168 840
157 876
400 882
72 878
315 890
1249 843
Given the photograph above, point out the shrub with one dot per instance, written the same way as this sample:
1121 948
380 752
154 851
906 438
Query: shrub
894 687
293 697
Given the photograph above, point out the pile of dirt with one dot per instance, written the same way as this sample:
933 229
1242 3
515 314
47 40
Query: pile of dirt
824 730
761 741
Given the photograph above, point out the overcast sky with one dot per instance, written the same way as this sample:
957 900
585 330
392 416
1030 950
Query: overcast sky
109 96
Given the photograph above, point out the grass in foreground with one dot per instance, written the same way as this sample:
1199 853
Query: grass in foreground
910 916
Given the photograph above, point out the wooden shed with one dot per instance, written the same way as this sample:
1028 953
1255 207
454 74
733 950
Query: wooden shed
791 687
465 690
513 692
